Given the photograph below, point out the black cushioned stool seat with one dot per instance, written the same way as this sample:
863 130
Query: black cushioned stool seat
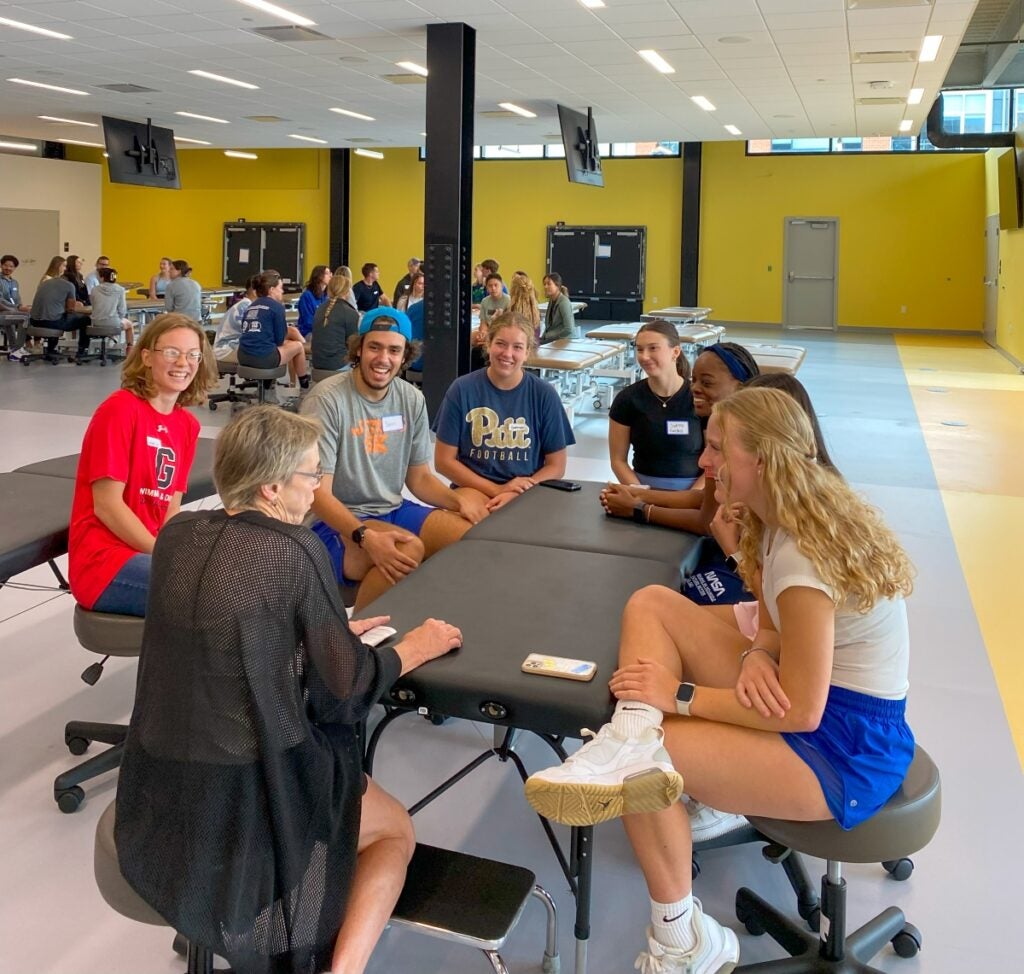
906 824
262 376
33 521
471 901
38 331
102 332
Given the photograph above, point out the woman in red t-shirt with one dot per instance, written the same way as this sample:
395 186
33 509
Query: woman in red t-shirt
134 465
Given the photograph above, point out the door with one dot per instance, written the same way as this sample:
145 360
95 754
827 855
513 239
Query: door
810 279
33 236
991 277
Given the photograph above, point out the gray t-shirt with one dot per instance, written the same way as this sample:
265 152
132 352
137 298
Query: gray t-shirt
49 302
369 446
491 306
108 304
185 296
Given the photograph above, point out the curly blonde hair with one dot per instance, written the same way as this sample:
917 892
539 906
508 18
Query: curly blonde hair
851 548
137 377
523 298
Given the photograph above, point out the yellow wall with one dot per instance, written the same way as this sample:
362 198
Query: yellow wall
911 234
140 225
1010 316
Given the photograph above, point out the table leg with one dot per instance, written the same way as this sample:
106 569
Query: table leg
582 864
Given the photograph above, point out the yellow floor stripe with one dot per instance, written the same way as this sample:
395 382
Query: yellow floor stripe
979 468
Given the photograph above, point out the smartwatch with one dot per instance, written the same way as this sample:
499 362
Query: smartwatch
638 513
358 535
684 697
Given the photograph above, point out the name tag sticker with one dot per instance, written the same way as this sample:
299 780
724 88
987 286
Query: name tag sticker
153 441
392 424
677 427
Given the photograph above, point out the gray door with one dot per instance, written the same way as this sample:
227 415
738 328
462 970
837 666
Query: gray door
810 273
991 277
33 236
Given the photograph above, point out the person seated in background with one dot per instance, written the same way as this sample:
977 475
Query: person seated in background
55 306
159 281
312 298
229 331
655 417
412 294
134 465
368 292
345 271
478 290
412 266
295 855
501 430
335 323
92 279
522 299
183 295
496 300
417 313
267 339
376 440
73 273
109 305
807 724
559 321
55 268
12 305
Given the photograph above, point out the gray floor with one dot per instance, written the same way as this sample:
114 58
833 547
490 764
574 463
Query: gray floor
53 920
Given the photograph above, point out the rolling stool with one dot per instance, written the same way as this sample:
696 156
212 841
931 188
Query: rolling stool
235 392
471 901
905 824
261 376
123 899
102 332
106 635
320 374
39 331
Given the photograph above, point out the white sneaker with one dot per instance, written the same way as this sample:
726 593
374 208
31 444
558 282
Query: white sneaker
717 950
609 776
708 823
16 356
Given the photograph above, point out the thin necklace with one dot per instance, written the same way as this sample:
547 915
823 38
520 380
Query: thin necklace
664 400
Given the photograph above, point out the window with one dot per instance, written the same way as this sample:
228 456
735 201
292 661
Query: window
513 151
606 150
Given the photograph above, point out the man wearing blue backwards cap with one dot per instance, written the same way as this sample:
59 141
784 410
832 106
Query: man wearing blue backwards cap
376 439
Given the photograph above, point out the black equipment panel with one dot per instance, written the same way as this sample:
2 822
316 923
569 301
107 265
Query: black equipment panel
252 247
599 262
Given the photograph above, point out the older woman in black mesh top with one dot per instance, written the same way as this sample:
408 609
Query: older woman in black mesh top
243 814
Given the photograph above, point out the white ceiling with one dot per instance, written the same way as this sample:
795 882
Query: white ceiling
774 68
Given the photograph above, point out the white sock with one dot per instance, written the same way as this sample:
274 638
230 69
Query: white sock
672 923
633 719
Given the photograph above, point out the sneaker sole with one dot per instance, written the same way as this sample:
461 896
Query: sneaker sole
590 804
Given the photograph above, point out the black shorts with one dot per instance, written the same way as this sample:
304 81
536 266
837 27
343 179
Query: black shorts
269 361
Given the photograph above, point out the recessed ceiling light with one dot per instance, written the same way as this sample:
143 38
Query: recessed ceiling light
19 146
91 145
906 125
181 138
509 107
67 121
734 39
656 61
592 4
235 154
701 102
203 118
39 84
271 8
369 153
732 130
413 67
930 47
35 30
221 78
345 111
308 138
915 96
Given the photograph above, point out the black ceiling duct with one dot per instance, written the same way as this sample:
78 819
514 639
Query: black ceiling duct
942 139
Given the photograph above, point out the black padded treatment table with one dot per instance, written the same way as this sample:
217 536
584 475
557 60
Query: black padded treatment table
34 514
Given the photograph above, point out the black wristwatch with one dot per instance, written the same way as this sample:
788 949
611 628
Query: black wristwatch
638 513
358 535
684 697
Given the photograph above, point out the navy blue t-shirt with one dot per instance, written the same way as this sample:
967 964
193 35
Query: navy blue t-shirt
499 433
367 295
263 327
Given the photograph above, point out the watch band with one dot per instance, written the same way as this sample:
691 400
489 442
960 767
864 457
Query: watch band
638 514
684 698
358 535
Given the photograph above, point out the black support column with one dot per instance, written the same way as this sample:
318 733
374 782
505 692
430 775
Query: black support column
341 161
689 263
448 223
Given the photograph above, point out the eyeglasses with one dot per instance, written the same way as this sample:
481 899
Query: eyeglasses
173 354
316 475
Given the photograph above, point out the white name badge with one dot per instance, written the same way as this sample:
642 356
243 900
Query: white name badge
153 441
392 424
677 427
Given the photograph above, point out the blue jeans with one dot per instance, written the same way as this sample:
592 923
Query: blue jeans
127 591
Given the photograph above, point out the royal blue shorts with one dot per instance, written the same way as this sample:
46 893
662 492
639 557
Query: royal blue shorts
408 515
859 753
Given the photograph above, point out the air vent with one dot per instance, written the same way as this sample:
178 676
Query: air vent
265 118
885 4
361 138
883 57
881 101
499 113
405 79
126 89
290 34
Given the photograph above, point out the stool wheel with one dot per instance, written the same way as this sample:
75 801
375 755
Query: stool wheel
213 407
749 920
899 869
69 801
78 745
908 941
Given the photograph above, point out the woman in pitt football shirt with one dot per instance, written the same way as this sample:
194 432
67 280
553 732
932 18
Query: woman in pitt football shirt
134 465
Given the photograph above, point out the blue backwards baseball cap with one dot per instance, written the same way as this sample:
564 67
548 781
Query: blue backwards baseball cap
399 322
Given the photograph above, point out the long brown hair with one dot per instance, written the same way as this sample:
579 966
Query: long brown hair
668 331
137 377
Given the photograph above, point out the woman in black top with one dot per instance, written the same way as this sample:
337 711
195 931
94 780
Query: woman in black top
655 416
73 272
242 808
333 323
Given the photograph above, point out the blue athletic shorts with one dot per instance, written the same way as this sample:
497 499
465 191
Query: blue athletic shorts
666 483
859 753
408 515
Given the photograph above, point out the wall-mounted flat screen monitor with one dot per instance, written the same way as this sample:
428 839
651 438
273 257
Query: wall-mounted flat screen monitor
140 153
579 138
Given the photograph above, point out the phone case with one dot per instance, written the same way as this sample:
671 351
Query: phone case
559 666
560 484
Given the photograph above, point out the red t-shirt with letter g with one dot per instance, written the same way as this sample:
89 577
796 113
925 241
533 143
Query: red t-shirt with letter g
151 454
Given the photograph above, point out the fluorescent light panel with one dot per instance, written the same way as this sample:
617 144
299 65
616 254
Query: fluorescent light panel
308 138
701 102
276 11
181 138
67 121
39 84
91 145
509 107
224 80
370 153
906 125
915 96
592 4
235 154
413 67
656 61
4 21
203 118
359 115
732 130
930 48
19 146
